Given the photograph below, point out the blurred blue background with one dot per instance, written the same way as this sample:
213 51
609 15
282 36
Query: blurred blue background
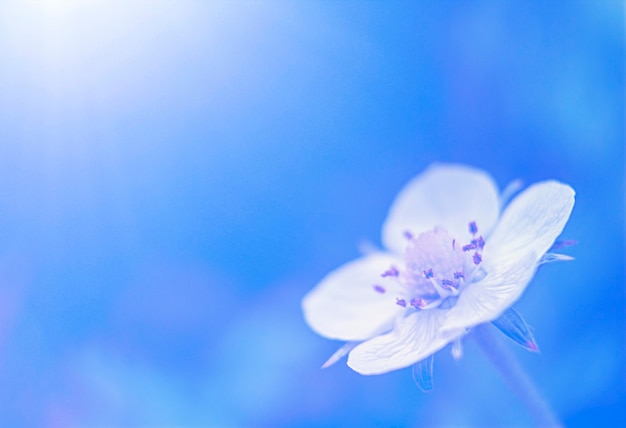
176 175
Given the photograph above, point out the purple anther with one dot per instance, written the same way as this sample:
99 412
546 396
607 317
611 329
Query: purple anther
473 228
447 284
418 303
469 247
480 242
453 243
408 235
392 271
477 258
379 288
458 275
401 302
429 273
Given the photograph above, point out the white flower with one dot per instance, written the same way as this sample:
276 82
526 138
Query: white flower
452 262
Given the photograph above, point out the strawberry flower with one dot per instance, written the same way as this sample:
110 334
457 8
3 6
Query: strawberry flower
452 261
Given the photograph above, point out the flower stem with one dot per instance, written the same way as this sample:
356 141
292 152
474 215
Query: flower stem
515 376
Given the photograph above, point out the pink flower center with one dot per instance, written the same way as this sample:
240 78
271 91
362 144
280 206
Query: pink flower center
436 268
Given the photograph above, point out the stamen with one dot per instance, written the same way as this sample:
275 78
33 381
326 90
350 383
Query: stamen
379 288
442 291
435 303
392 271
436 272
447 284
418 303
408 235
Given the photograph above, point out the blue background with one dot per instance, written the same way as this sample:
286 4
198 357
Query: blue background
176 175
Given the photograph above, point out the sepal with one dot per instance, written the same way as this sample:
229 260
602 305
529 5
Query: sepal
423 373
554 257
339 354
514 327
457 350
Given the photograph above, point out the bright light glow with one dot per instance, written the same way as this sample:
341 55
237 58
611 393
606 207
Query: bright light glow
113 55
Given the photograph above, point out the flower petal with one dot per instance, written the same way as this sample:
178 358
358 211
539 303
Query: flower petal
345 306
527 229
412 339
486 300
449 196
532 222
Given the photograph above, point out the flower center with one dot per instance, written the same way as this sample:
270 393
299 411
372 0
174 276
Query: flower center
437 268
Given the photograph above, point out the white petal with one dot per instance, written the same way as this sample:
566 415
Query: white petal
487 299
532 222
412 339
527 229
345 306
449 196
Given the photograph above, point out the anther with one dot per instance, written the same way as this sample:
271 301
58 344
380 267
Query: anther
418 303
401 302
379 288
477 258
480 242
392 271
408 235
458 275
468 247
473 228
429 273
